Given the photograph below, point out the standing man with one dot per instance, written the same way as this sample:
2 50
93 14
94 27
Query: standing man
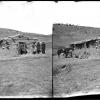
38 47
43 47
34 47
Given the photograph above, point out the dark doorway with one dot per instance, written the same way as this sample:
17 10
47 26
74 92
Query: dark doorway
22 48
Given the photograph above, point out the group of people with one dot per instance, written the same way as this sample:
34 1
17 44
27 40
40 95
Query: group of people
39 48
67 52
22 47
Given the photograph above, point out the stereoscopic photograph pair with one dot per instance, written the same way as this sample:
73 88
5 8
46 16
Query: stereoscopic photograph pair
49 49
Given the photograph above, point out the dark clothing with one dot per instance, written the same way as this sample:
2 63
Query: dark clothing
34 52
68 52
43 47
59 52
22 48
38 47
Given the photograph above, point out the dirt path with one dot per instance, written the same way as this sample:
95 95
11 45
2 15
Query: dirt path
74 76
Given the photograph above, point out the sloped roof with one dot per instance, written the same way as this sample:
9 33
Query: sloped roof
19 37
82 41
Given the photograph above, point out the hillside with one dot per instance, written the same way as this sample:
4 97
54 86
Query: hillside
26 74
4 32
73 75
10 32
63 34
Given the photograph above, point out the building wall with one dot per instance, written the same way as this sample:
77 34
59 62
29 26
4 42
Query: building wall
4 52
13 50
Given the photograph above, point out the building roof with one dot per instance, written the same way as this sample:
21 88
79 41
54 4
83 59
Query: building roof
19 37
82 41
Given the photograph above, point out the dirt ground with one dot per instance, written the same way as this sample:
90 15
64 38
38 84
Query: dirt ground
71 75
27 75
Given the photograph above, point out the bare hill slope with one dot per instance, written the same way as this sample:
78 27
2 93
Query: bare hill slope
63 34
29 75
10 32
73 75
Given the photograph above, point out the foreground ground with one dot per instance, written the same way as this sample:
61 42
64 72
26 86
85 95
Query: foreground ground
72 75
29 75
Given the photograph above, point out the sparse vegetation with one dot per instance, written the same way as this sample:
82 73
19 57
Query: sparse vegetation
26 75
75 75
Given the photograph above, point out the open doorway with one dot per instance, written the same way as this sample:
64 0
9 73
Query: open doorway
22 48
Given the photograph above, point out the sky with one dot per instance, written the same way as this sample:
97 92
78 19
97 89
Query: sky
39 17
